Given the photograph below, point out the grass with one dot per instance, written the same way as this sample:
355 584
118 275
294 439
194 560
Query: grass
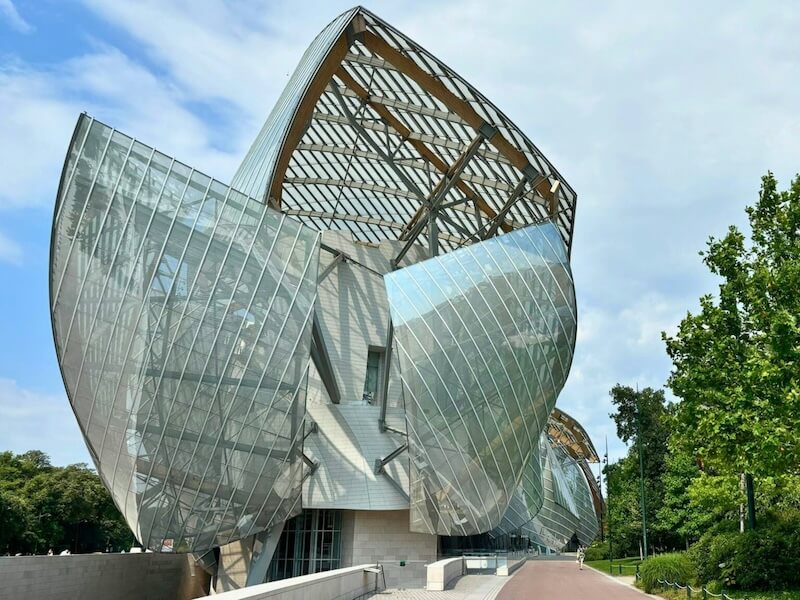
628 565
738 595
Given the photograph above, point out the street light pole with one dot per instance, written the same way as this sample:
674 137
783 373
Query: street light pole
608 516
641 472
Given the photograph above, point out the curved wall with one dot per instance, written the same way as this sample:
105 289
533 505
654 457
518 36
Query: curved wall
485 337
180 311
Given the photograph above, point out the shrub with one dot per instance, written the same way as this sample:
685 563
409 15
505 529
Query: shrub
764 559
597 551
674 567
712 550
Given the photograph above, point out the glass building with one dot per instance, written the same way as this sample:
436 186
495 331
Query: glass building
351 353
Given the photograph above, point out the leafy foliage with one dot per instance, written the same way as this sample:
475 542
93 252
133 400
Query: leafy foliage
42 507
623 478
674 567
736 362
761 559
597 551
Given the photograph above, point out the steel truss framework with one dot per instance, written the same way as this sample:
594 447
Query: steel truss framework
376 136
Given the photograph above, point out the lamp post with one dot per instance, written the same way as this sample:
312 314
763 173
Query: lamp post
608 514
641 472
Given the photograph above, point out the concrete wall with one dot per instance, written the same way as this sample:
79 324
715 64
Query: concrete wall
341 584
146 576
234 561
443 572
382 536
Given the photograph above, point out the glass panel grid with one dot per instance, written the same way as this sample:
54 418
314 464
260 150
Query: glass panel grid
181 314
474 329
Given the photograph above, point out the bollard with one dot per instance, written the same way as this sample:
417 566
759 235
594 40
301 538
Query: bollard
688 591
705 594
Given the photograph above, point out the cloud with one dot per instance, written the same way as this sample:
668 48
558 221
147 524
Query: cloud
40 107
35 129
10 251
32 420
9 12
663 119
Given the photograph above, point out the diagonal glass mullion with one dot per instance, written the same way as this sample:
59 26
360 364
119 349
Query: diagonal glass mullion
453 402
145 298
510 420
88 268
90 121
436 435
295 440
197 331
554 388
266 413
555 279
114 325
83 212
430 461
455 257
168 293
233 345
449 300
455 371
266 262
152 217
564 368
479 320
111 269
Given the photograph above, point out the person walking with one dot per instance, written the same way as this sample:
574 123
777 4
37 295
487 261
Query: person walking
581 557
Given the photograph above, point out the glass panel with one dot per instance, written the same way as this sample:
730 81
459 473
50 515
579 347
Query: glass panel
473 328
567 517
181 316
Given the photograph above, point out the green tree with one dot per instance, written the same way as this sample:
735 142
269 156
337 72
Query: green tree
736 362
43 507
648 412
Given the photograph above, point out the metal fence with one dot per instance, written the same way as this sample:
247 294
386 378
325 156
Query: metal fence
694 592
612 568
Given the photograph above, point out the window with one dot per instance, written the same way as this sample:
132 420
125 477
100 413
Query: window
372 381
309 543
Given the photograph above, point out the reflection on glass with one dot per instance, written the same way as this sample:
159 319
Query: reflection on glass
567 516
181 319
485 336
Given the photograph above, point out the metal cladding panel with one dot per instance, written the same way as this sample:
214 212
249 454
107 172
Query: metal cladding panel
181 317
255 173
485 336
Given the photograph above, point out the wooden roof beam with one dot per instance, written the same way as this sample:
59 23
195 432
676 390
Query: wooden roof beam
305 110
421 148
459 106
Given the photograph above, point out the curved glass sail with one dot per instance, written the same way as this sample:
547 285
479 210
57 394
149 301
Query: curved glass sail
181 317
568 514
485 337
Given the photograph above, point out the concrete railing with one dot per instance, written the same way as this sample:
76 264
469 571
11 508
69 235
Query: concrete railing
442 572
340 584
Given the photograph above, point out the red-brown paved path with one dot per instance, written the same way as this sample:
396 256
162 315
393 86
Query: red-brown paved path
562 580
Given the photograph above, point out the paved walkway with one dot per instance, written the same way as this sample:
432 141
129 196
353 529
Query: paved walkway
469 587
562 580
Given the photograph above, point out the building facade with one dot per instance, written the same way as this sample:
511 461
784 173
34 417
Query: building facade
351 353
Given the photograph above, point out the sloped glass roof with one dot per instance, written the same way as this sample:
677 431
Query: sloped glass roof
376 136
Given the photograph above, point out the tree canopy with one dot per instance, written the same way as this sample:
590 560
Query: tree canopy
43 507
736 361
